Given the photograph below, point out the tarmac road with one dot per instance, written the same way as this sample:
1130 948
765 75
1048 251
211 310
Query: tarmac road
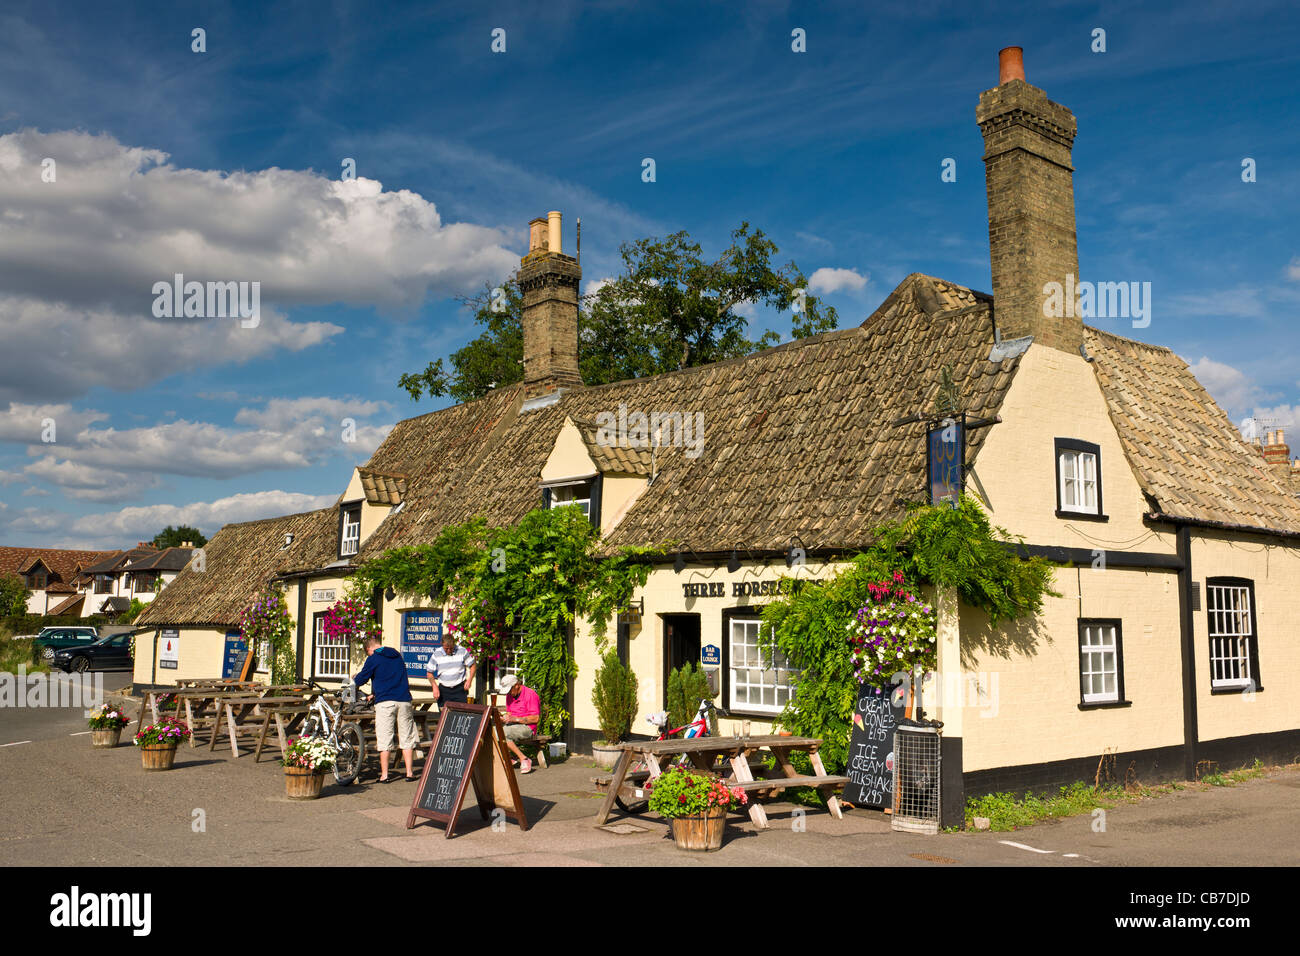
66 804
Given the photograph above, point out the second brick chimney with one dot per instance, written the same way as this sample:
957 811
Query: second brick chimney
1030 183
549 282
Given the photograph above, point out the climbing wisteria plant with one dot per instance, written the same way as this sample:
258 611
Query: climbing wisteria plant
267 621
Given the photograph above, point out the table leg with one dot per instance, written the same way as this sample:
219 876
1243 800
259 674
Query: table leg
616 782
740 767
216 723
832 801
261 737
282 727
189 722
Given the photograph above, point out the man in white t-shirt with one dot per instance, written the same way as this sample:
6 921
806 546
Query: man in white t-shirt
451 672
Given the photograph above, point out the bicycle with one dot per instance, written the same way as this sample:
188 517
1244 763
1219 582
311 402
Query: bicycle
699 727
325 722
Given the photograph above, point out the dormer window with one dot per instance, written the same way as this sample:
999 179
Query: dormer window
37 580
1078 480
583 492
349 529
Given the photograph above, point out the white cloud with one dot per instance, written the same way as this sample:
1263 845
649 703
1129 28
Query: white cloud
110 529
79 257
1227 385
1293 269
26 424
88 482
825 280
595 285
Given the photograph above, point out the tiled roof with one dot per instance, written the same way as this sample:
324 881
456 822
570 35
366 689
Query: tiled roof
797 440
118 560
62 563
168 559
611 457
1183 448
68 605
238 561
382 489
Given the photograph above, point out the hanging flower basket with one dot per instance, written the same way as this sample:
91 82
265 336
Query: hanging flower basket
303 784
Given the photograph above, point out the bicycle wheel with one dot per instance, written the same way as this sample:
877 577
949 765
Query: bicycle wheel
352 751
635 805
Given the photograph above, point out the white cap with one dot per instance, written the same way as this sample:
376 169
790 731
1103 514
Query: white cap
505 683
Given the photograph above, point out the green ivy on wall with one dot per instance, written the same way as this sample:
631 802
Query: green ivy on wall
534 577
932 545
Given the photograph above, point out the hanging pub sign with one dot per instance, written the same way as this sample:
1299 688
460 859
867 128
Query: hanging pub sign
421 636
946 455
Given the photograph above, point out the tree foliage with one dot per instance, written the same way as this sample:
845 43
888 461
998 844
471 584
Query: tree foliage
614 697
170 537
669 308
13 595
686 686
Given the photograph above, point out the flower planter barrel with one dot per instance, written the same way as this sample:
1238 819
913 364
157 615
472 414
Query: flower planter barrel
303 784
105 738
703 831
158 756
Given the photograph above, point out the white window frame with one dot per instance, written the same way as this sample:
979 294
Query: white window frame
352 539
1082 463
1231 631
575 488
325 657
1099 659
750 662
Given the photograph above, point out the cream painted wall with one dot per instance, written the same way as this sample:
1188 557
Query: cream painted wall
372 515
569 458
1275 570
1056 395
1028 711
201 653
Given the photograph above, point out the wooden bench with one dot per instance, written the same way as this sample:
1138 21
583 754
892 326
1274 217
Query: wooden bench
245 716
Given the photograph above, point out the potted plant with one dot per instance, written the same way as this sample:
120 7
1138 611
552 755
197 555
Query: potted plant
158 743
106 726
615 698
305 761
697 804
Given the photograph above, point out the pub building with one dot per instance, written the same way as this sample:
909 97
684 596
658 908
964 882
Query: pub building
1175 547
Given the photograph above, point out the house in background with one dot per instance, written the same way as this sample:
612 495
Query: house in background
52 575
109 586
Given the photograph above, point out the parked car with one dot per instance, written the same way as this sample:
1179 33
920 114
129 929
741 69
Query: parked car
106 654
52 639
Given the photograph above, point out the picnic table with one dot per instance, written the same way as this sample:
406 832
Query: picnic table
245 713
704 753
183 689
423 712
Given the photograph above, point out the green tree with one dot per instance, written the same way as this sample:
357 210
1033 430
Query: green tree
669 308
13 595
170 537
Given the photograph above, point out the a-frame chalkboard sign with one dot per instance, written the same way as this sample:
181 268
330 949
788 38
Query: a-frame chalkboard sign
469 748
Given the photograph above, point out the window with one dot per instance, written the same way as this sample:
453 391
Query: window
37 580
349 529
755 687
575 493
1234 651
509 662
262 656
332 654
1101 662
1078 479
144 583
103 584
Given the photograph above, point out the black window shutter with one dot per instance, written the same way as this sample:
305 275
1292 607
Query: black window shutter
595 501
546 498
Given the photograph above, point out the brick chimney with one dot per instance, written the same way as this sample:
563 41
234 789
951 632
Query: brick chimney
1030 183
1277 454
549 281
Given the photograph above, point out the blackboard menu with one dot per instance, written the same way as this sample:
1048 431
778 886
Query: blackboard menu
450 763
232 664
871 746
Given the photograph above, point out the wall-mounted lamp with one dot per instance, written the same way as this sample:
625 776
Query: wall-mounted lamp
800 552
390 594
733 563
679 564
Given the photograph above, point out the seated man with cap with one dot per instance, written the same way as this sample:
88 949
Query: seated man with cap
523 711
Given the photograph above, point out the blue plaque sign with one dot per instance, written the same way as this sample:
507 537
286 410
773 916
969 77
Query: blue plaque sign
421 633
710 655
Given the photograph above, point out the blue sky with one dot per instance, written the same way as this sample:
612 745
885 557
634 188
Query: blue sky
225 165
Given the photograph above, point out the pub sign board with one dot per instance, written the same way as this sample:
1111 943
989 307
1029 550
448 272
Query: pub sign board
169 649
946 445
421 635
870 769
468 749
232 662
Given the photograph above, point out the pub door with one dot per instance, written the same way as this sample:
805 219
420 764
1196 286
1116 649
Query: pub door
681 644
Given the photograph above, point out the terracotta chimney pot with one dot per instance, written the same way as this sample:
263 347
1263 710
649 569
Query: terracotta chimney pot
1011 64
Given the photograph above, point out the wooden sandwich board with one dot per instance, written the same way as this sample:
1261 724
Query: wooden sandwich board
469 748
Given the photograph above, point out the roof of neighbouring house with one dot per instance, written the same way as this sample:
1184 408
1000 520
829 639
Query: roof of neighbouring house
168 559
63 563
67 605
117 560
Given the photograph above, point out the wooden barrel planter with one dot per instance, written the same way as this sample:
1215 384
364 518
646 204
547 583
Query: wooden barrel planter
158 756
703 831
303 784
105 738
